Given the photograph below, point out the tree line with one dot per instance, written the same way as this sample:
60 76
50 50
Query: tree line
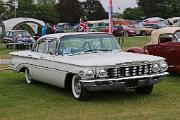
49 11
153 8
71 10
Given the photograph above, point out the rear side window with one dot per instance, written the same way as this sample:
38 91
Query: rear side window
42 47
46 45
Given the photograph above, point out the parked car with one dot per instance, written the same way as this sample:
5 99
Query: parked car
146 29
86 62
96 26
135 27
165 42
18 36
120 31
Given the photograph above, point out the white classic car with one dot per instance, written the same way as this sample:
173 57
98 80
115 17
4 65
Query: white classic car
87 62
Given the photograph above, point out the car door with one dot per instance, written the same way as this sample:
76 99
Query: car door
48 64
163 50
174 48
44 57
35 60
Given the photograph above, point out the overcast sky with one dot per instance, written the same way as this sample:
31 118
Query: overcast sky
122 4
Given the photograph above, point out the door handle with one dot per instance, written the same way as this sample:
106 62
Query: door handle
41 57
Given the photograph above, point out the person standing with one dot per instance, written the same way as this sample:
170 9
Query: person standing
43 31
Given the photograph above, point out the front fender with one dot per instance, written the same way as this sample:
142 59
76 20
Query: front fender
138 50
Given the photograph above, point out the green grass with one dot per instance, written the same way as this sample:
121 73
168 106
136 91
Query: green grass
4 52
134 42
20 101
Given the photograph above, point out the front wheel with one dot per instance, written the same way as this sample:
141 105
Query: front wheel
144 89
29 79
126 34
79 92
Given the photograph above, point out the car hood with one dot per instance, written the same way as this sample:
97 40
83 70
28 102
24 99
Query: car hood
93 59
107 58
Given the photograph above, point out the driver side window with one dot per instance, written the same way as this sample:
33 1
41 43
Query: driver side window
163 38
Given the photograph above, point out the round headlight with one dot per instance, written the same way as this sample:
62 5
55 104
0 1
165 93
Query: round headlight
163 66
89 74
102 73
156 67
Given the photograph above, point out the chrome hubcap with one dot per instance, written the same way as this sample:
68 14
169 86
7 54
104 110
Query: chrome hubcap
77 86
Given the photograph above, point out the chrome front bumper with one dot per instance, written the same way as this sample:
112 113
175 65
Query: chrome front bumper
126 82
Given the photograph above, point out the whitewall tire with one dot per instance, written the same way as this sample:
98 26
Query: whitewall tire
29 79
78 91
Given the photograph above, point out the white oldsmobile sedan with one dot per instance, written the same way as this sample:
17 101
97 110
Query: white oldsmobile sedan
86 62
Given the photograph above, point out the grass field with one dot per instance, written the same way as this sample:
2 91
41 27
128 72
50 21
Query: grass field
4 51
20 101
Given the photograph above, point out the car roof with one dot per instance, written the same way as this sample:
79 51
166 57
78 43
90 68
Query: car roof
156 33
59 35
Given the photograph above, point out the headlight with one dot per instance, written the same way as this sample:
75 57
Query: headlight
163 66
102 73
156 67
89 74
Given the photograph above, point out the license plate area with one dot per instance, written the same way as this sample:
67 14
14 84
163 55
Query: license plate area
131 83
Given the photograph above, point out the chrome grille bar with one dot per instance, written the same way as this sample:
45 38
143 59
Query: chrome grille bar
128 71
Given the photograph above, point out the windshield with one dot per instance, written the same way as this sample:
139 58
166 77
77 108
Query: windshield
20 33
76 44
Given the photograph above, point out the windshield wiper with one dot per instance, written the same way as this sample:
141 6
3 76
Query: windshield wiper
105 49
92 50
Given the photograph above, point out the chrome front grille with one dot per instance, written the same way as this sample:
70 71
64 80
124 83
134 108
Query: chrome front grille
129 70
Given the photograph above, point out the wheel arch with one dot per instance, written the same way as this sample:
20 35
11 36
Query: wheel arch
22 69
68 80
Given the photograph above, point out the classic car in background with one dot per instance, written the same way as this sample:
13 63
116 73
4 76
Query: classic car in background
165 42
96 26
146 29
87 62
18 36
121 31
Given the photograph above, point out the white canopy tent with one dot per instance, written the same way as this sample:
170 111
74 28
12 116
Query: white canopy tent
12 23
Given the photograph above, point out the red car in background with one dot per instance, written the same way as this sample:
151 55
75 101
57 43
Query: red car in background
120 31
165 42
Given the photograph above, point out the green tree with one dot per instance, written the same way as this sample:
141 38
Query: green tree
173 8
2 9
153 8
69 10
47 13
26 8
133 13
94 10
